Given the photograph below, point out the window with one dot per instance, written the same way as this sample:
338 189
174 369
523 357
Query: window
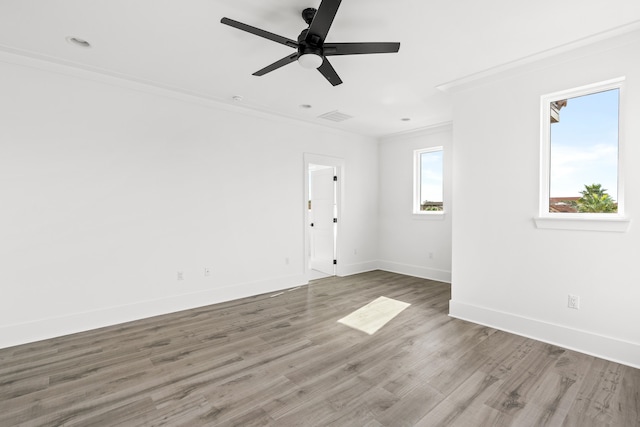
580 154
427 187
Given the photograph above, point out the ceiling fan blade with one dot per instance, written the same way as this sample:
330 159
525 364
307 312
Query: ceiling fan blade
261 33
332 49
281 63
322 21
329 73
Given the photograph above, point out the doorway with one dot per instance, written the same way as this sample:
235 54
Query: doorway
322 197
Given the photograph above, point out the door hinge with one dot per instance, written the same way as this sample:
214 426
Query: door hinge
335 219
335 178
335 261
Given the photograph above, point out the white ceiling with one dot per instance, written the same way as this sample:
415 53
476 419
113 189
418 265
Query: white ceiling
181 45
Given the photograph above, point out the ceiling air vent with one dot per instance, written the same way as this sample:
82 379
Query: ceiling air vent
335 116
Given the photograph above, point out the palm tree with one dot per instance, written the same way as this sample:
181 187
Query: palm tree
595 199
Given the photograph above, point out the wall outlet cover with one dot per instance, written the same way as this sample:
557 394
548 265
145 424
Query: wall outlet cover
573 301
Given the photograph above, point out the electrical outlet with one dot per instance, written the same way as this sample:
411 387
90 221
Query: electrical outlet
430 255
573 301
286 260
180 275
207 272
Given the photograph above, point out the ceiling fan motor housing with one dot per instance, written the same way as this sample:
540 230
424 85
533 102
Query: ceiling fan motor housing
313 46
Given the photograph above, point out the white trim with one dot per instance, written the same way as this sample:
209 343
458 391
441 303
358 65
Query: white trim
22 333
502 71
350 269
610 348
95 74
338 164
412 133
415 271
429 215
579 221
620 225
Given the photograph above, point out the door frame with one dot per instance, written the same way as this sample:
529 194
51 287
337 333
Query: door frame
338 164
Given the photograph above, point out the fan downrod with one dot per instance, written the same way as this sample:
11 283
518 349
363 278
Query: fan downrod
308 14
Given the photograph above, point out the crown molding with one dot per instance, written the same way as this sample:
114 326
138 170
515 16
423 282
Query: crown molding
50 64
425 130
606 40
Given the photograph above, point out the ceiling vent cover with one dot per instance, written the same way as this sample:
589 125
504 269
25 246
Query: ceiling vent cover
335 116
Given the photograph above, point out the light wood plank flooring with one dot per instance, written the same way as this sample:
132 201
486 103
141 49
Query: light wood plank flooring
285 361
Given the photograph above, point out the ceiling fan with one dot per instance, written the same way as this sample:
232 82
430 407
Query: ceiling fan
312 51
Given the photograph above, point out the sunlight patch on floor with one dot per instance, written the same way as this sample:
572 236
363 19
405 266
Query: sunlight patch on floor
374 315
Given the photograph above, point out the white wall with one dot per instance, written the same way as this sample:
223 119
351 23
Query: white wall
108 189
506 272
405 239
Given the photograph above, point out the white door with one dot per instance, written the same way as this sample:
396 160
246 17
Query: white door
322 211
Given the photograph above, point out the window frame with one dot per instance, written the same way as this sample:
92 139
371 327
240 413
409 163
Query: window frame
417 182
615 221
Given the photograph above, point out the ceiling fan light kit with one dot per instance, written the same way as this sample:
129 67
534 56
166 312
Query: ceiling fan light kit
311 49
310 60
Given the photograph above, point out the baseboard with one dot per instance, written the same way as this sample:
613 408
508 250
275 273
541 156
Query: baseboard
351 269
415 271
41 329
613 349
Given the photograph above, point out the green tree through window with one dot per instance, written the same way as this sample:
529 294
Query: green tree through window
595 199
583 148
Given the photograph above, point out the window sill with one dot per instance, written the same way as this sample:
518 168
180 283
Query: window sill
618 224
429 216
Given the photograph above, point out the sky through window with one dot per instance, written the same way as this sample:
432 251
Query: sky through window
584 145
431 176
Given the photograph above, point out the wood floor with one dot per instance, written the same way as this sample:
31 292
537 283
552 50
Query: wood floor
285 361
